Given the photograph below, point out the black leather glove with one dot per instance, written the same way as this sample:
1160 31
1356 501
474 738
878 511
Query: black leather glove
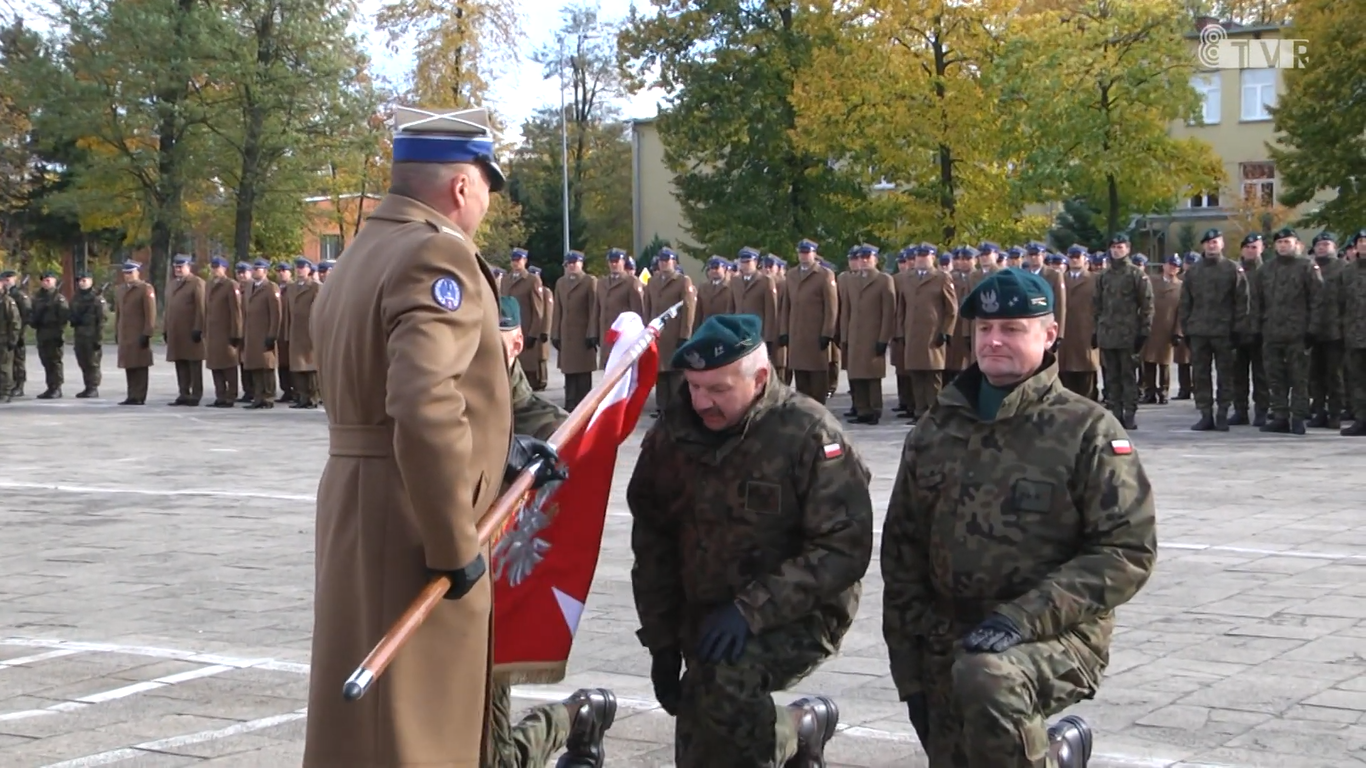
724 634
545 337
782 340
941 339
556 344
144 341
1095 341
880 349
591 342
825 342
994 635
463 580
196 336
1310 340
918 708
1139 342
1178 339
525 451
530 342
666 675
270 343
235 342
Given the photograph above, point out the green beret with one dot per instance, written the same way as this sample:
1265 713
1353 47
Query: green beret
1210 234
509 313
1285 232
1008 294
719 341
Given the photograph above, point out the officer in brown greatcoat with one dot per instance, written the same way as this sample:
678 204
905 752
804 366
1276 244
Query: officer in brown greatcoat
574 330
754 293
813 310
137 321
867 325
776 268
183 330
543 344
223 332
1078 361
1165 334
960 356
244 283
905 396
714 295
261 321
284 283
927 312
1035 254
519 283
619 292
299 333
666 288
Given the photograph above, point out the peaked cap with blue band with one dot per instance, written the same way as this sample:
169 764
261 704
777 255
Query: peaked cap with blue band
719 341
1008 294
456 136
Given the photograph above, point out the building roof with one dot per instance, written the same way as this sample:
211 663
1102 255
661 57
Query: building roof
346 196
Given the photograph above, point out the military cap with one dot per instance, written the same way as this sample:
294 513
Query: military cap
131 266
1285 232
1015 252
1008 294
827 265
243 266
1210 234
302 263
904 254
509 313
455 136
533 269
83 274
731 266
720 340
1076 250
260 264
1192 257
182 260
865 249
7 274
218 261
716 262
666 254
1174 259
1324 237
1118 238
778 261
1099 257
929 248
1138 259
497 271
573 256
616 254
967 252
806 245
1034 247
630 262
1359 235
517 253
51 273
1252 237
326 265
986 246
1053 258
747 254
283 266
945 258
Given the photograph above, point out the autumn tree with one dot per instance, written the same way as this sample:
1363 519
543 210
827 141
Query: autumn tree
1243 12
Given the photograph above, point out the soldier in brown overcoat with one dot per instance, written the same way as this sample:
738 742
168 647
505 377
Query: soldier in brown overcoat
905 396
619 292
244 283
839 360
813 310
137 321
574 330
1078 361
519 283
299 334
261 334
1035 253
776 268
547 319
1166 331
714 295
223 332
666 288
867 326
183 329
755 294
960 355
284 283
927 312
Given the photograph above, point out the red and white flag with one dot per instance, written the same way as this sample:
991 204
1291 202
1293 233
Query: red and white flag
543 564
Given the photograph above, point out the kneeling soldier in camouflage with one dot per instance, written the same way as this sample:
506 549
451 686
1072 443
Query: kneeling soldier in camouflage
1021 517
753 528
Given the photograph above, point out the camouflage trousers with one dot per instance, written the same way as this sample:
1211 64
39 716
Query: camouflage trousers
1327 391
1287 378
727 718
533 741
50 355
990 710
89 356
1120 368
1356 374
1249 378
18 368
6 370
1211 354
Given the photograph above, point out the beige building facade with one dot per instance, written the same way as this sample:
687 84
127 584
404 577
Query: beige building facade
655 209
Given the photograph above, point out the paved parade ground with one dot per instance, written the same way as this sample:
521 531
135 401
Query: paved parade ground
156 594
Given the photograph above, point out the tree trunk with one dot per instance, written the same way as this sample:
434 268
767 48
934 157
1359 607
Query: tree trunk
169 192
249 180
948 195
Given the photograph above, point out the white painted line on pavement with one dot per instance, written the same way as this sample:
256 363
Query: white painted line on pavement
122 692
1262 552
175 742
22 660
271 665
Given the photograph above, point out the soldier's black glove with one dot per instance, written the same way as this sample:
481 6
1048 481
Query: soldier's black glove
196 336
545 337
270 343
1139 342
235 342
1178 339
994 635
666 675
825 342
463 580
1309 340
530 342
591 342
782 340
527 450
556 344
724 634
144 341
880 349
918 708
1095 341
941 339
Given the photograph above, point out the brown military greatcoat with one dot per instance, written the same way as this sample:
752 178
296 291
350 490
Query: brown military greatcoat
813 310
1075 354
664 290
714 297
222 323
302 296
137 317
960 355
282 333
184 315
261 321
928 307
419 411
547 320
779 358
757 295
1166 302
1059 286
868 320
574 321
616 294
525 287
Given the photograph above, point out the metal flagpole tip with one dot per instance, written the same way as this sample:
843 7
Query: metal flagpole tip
357 685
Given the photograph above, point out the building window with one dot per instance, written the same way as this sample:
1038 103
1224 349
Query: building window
1259 92
1259 183
330 246
1207 200
1207 85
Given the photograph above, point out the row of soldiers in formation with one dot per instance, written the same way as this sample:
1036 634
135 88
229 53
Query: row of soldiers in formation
246 329
1202 312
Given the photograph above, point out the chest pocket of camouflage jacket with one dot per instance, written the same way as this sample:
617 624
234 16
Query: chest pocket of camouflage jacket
1028 495
763 499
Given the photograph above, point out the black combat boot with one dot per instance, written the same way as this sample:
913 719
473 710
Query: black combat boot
1279 426
1205 424
1334 422
852 412
1221 419
596 709
1347 415
1259 419
1161 398
50 394
88 392
1357 429
1128 420
1297 426
1239 418
1319 420
1072 738
1183 394
18 391
818 719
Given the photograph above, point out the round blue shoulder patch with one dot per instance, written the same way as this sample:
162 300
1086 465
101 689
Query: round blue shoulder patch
446 292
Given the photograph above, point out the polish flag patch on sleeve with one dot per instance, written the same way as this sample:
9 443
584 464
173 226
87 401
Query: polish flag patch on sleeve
1121 447
833 451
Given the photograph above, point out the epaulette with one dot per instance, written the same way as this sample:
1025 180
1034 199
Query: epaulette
443 229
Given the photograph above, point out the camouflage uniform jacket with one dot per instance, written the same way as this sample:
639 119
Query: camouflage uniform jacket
25 305
1122 305
1286 297
1352 304
1044 515
1213 299
11 323
49 315
773 514
88 310
532 414
1330 318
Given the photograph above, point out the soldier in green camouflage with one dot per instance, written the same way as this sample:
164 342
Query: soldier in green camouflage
49 318
1327 393
11 327
1123 309
9 282
1249 375
1214 306
1285 297
1020 519
579 722
753 528
88 312
1352 313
